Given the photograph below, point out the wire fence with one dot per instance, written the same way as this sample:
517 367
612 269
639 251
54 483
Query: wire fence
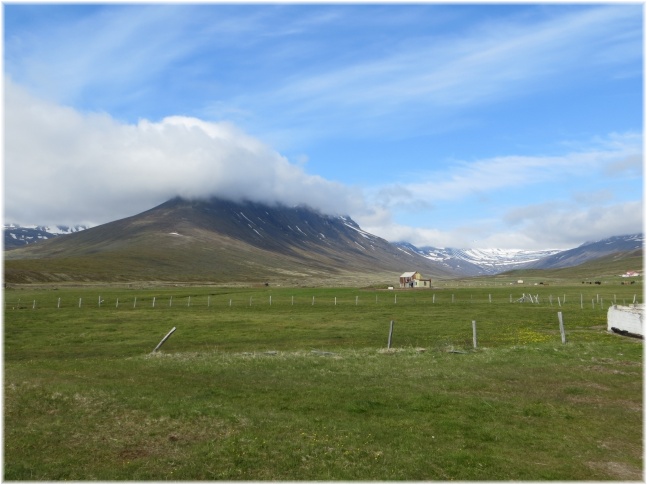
583 301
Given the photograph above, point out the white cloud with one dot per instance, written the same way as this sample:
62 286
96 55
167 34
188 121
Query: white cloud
563 225
618 155
67 167
63 166
552 225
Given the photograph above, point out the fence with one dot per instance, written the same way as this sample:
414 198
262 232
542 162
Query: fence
594 301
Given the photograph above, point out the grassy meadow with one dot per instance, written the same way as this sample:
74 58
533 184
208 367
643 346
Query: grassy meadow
276 383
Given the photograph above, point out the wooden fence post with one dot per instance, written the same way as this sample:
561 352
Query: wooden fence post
164 340
474 332
388 346
561 327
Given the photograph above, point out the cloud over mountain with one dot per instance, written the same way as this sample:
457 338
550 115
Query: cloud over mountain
65 166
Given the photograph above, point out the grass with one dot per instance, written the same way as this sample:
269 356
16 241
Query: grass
296 391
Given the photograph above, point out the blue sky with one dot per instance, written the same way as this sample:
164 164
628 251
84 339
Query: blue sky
449 125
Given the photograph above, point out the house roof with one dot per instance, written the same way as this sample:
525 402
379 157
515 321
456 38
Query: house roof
408 274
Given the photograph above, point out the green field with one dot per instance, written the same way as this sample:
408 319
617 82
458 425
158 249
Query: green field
297 384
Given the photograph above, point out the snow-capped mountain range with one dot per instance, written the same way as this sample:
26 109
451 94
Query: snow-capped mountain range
16 236
475 262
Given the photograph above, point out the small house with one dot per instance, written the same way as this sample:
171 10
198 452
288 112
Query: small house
413 279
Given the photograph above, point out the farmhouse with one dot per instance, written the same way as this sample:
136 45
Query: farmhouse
413 279
630 274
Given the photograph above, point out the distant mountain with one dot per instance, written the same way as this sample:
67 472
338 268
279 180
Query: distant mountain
477 262
589 251
220 241
17 236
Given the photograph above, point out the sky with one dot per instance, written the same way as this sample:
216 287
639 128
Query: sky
513 126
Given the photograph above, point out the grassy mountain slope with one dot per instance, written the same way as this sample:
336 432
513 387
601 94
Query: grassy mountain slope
218 241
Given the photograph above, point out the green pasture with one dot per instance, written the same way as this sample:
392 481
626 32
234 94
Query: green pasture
276 383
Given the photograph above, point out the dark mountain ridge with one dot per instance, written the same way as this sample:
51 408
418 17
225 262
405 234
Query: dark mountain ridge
590 251
220 240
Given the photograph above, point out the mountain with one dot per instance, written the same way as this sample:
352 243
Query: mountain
220 241
17 236
477 262
589 251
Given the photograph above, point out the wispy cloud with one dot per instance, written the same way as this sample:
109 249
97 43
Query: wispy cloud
615 156
306 68
496 60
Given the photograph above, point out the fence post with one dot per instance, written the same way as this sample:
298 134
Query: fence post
164 340
561 327
388 346
474 332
